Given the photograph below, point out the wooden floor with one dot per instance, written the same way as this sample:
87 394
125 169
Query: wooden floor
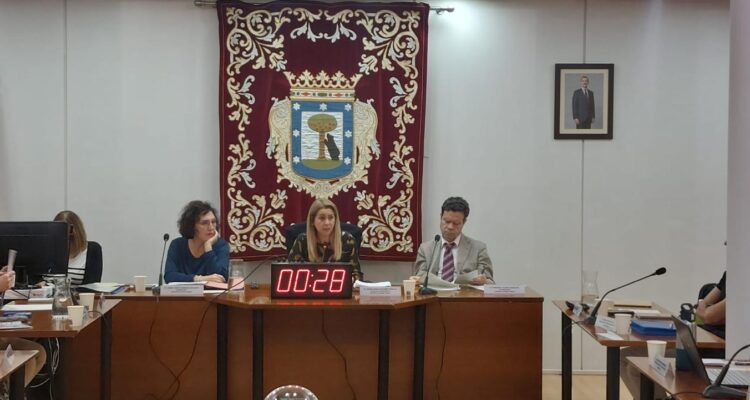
585 387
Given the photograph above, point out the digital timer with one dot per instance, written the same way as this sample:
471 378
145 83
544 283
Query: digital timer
311 281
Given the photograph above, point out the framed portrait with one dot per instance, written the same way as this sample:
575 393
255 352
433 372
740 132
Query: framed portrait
583 101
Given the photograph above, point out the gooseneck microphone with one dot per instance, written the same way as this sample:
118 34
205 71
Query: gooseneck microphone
592 315
716 390
157 289
424 290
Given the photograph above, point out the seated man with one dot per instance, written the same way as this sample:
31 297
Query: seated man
34 365
459 258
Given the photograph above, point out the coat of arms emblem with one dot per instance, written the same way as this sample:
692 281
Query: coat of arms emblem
322 137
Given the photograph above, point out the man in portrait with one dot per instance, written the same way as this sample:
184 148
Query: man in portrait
583 105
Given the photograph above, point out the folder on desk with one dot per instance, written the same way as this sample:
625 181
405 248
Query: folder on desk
653 328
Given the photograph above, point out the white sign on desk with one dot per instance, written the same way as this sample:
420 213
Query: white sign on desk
182 290
390 291
606 323
661 365
7 357
504 290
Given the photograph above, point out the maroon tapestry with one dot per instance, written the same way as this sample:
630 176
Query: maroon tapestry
322 101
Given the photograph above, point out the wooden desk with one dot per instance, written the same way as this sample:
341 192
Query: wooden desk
16 370
687 382
77 340
334 347
704 340
424 347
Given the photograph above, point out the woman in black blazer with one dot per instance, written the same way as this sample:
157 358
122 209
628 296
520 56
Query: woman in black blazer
85 258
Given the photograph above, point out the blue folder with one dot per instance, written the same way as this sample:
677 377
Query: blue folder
652 327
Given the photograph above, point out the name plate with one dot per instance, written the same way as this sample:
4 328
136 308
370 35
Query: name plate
577 309
390 292
504 290
662 366
606 323
7 357
182 290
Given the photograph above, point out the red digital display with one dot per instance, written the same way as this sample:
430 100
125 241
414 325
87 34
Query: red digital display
311 280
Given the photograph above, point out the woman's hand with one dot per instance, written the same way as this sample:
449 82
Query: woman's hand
4 282
209 245
209 278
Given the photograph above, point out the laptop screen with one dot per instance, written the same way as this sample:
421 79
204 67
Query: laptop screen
685 336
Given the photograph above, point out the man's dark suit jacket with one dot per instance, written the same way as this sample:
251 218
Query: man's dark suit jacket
583 108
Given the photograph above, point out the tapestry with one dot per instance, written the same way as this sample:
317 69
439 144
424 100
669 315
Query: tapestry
322 100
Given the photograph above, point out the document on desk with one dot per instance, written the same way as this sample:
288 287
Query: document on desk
466 278
28 307
435 282
101 287
359 284
609 335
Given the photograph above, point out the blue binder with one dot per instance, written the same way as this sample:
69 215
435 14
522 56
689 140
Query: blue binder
653 328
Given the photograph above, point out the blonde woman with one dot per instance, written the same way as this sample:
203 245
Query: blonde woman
85 258
324 241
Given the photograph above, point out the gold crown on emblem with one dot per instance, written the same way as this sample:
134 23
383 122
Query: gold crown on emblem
322 80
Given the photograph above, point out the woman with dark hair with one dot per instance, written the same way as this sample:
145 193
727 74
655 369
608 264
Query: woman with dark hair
200 255
85 258
324 241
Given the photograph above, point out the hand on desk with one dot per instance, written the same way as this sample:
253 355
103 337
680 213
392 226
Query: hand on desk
209 278
479 280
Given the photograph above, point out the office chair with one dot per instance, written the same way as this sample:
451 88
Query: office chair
291 392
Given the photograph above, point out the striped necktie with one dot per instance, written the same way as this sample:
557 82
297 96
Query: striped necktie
448 265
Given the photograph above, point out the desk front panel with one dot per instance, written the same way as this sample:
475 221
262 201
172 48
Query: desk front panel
140 371
493 350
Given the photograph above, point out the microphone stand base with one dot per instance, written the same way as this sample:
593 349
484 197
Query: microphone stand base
723 392
156 290
425 291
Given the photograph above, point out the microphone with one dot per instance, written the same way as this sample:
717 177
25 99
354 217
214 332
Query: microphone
424 290
157 289
715 390
592 315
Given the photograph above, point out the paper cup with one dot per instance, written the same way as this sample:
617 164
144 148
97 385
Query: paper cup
87 300
140 283
655 347
622 324
75 314
409 287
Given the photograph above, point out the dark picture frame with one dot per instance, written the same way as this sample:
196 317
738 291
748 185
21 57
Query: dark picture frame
573 103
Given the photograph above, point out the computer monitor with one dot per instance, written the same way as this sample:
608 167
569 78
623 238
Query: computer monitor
42 248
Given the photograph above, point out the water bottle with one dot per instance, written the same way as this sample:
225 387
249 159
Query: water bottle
589 288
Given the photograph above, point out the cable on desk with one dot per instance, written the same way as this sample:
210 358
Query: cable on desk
156 354
346 366
573 323
672 396
197 334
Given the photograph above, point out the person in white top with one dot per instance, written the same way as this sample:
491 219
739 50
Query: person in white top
85 258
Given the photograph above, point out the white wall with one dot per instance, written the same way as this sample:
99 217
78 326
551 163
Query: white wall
738 254
125 131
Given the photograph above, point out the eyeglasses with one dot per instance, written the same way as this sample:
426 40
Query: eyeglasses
206 224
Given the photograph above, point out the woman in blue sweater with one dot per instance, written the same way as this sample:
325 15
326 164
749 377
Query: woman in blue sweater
200 255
